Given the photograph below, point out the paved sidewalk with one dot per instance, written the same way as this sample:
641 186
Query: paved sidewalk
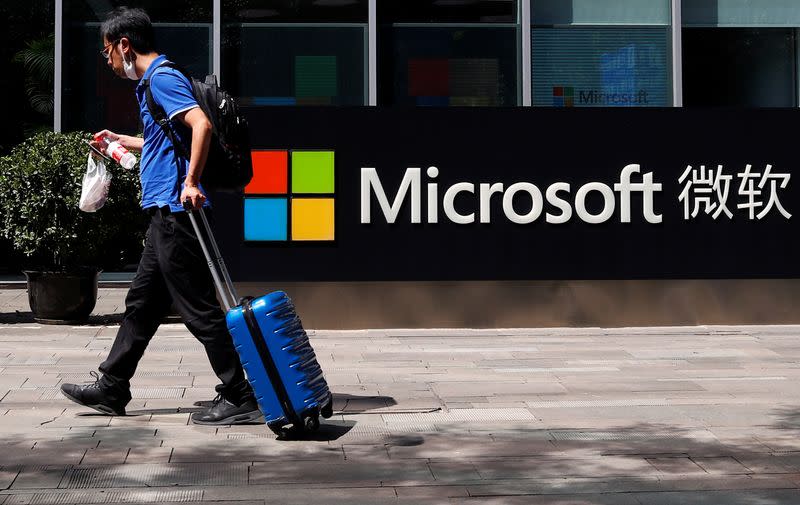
634 416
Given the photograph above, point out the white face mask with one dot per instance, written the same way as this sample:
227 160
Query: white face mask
128 67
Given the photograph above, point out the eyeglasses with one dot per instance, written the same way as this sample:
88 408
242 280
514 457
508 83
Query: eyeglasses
106 52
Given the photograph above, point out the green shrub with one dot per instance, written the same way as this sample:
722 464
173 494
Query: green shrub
40 187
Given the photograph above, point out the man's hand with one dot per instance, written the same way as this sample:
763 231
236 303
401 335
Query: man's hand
192 193
126 141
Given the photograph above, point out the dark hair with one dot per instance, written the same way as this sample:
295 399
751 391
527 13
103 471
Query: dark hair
133 24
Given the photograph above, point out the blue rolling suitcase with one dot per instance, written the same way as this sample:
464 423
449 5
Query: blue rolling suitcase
275 352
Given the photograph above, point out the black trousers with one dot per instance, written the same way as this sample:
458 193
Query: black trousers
173 269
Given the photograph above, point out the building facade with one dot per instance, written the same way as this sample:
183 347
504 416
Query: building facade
382 129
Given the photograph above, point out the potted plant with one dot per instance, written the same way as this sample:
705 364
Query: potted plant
64 247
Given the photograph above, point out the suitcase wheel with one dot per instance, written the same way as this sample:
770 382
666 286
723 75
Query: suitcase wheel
312 423
287 432
327 410
278 429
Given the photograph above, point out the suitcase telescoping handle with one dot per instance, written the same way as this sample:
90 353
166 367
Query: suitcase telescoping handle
215 264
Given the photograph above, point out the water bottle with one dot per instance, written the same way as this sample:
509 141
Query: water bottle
118 153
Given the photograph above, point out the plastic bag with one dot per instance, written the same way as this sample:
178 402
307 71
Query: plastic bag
96 182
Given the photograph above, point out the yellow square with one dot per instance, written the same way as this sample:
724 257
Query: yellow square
312 219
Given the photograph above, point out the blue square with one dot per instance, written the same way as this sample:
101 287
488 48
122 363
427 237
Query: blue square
558 101
433 101
265 219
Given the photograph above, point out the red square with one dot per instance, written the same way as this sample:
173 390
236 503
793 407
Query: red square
558 91
270 173
428 78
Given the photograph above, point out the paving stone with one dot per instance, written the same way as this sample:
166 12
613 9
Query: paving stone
365 451
346 473
498 388
39 477
7 476
80 417
148 455
65 456
772 497
263 449
469 446
60 497
294 495
676 465
607 499
102 456
721 466
427 494
589 486
155 475
548 467
182 381
454 471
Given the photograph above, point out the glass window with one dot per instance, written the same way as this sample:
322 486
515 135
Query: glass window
750 67
295 53
448 65
447 11
295 11
601 53
741 13
93 96
600 12
740 53
448 53
21 24
23 110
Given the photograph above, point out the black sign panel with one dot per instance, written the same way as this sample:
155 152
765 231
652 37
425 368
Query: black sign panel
694 209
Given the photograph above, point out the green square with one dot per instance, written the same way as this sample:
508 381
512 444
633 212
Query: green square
315 76
312 172
569 91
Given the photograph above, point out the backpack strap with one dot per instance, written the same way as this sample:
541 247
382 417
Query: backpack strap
158 113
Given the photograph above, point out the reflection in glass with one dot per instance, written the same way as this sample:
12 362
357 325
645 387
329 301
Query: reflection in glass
601 67
438 65
293 64
93 97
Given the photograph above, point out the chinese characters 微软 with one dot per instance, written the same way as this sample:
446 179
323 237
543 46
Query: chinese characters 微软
708 190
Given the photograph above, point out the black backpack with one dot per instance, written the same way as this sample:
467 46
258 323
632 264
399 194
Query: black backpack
229 165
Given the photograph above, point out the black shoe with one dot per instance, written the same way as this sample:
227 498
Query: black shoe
241 389
224 412
100 396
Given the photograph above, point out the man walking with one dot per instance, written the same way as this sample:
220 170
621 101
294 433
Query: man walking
172 268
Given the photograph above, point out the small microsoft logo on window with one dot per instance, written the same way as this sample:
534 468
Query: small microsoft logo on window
291 197
563 96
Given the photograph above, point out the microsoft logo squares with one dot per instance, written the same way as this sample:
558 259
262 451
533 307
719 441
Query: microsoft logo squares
563 96
291 197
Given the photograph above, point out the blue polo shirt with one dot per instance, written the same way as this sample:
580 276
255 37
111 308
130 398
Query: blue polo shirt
162 172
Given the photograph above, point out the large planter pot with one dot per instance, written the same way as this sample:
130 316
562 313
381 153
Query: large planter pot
62 297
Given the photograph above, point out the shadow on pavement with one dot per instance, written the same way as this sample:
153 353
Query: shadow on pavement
354 404
161 412
788 418
327 432
651 463
18 317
